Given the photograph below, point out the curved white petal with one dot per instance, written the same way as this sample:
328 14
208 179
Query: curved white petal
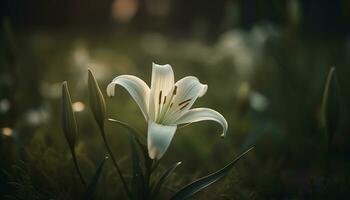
189 87
159 138
201 114
203 90
188 90
137 88
161 84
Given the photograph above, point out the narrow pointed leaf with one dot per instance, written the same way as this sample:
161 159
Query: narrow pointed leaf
163 178
69 123
97 102
206 181
140 138
93 183
331 104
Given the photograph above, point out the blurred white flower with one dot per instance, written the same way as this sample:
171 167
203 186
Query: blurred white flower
81 55
37 116
245 49
82 60
233 45
4 105
166 104
258 101
254 99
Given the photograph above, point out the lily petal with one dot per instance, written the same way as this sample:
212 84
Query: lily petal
159 138
189 87
201 114
161 84
188 90
136 87
203 90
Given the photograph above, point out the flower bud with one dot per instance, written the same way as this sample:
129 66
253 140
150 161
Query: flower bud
69 123
331 104
97 102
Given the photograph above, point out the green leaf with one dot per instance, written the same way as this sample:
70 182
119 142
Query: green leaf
93 183
69 123
137 173
97 102
331 104
140 138
206 181
163 178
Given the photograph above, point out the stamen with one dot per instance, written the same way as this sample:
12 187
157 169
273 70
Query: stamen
184 106
175 89
184 102
164 100
160 97
171 105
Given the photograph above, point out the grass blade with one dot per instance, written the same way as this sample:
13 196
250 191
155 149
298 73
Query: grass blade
206 181
163 178
140 137
331 105
93 183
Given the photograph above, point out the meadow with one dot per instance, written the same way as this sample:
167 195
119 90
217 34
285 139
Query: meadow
268 79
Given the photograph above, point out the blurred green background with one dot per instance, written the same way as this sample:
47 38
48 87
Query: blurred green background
265 63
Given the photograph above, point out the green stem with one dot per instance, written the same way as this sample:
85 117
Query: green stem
327 165
78 169
115 163
152 165
148 179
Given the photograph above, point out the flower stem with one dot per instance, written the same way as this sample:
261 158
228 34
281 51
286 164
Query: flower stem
78 169
150 167
327 164
115 163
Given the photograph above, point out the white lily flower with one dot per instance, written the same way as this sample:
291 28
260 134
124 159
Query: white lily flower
166 104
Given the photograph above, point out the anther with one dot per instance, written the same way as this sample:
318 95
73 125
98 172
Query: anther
175 89
160 97
184 102
164 100
184 106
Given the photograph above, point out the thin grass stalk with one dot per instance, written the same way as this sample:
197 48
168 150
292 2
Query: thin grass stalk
115 164
327 164
82 180
149 171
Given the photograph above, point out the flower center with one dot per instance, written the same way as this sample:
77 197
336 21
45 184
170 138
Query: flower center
167 109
